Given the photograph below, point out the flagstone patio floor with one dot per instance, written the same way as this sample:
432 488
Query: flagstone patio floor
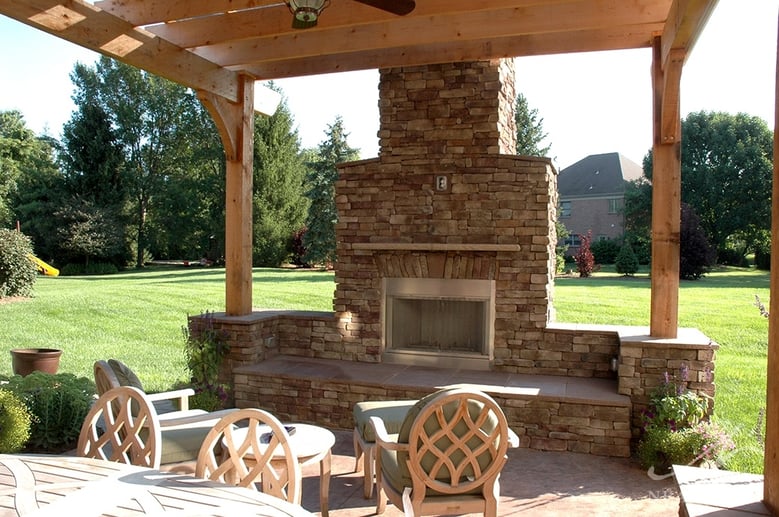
532 483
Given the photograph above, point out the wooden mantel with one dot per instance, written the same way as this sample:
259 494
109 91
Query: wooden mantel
432 246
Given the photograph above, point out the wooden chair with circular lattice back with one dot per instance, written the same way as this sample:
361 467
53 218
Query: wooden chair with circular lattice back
122 426
447 458
249 459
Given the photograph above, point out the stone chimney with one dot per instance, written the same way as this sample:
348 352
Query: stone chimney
447 109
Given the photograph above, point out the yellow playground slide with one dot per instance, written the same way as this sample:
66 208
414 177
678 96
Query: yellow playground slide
43 267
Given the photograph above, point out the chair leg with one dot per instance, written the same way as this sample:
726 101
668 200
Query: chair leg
381 498
368 470
358 452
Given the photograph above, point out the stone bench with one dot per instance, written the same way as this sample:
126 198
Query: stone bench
554 413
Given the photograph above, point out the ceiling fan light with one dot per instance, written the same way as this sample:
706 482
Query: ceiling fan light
307 10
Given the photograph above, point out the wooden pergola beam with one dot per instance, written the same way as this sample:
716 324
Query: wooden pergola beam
102 32
666 192
771 455
235 121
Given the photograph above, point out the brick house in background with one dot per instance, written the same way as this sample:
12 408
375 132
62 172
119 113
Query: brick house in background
592 193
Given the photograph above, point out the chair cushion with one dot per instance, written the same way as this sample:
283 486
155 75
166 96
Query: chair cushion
125 375
391 412
402 477
182 444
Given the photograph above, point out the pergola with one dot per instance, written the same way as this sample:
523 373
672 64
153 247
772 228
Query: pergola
221 47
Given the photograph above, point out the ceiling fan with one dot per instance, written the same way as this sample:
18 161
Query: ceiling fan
306 12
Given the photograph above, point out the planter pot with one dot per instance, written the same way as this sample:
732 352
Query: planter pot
27 360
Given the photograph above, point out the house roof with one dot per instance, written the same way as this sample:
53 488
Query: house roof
597 175
209 44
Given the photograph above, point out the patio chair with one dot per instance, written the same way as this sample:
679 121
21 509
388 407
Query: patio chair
182 430
447 458
112 374
122 426
246 457
392 414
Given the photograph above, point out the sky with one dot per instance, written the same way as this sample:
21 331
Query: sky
589 103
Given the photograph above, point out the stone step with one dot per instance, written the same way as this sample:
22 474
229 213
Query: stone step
553 413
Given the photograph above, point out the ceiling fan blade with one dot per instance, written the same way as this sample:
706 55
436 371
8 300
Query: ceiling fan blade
399 7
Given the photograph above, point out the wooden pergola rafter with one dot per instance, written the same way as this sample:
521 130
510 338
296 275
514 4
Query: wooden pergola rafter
220 47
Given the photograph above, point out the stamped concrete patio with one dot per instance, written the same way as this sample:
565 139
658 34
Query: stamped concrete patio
533 483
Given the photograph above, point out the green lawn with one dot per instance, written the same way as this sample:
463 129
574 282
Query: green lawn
138 317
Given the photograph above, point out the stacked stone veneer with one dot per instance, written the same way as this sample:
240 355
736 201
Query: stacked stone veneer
493 220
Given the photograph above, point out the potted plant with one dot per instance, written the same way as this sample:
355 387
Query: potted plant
676 431
24 361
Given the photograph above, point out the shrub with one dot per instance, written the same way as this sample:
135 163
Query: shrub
58 403
695 253
605 251
93 268
585 262
298 248
17 272
730 256
763 255
15 421
205 350
626 263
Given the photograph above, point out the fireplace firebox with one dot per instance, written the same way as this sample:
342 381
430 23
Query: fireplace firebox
443 322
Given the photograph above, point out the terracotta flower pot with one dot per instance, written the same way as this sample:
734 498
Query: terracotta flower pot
27 360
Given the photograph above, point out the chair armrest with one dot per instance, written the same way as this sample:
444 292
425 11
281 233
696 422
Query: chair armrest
182 394
383 439
195 420
513 439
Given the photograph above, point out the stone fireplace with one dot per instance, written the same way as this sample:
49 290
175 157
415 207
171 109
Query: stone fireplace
445 248
446 240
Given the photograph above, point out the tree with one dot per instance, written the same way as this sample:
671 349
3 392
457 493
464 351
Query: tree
561 247
530 131
319 238
279 203
626 262
147 114
20 152
726 178
585 261
726 175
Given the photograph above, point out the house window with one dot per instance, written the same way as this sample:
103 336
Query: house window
565 209
615 205
573 240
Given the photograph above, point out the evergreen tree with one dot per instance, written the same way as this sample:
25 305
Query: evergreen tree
530 130
626 262
279 202
319 239
92 158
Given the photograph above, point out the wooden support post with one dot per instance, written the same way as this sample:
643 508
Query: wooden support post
235 122
666 193
771 459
